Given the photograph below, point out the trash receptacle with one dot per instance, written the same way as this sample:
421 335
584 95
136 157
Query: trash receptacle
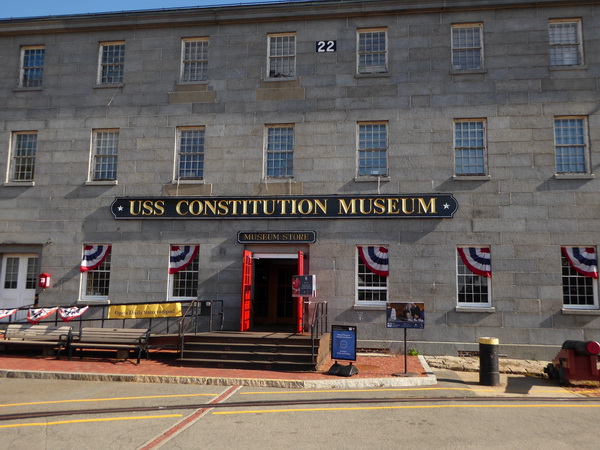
489 369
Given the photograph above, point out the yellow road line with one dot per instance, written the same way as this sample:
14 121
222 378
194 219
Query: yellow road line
367 408
51 402
64 422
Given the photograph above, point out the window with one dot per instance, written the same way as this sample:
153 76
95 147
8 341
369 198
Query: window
469 147
474 274
194 59
565 43
105 146
112 59
183 272
190 153
282 55
95 271
570 143
24 149
579 277
280 151
372 149
32 66
467 47
372 51
372 275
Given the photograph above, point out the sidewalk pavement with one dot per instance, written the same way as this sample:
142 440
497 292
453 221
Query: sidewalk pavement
376 370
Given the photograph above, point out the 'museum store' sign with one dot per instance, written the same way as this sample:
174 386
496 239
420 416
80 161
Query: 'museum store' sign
414 206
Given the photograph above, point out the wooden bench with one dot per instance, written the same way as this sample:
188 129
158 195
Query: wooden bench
111 339
45 336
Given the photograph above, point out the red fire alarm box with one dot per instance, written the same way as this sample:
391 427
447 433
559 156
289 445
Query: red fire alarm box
44 280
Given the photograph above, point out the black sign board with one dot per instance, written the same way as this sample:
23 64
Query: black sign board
278 237
343 342
405 315
410 206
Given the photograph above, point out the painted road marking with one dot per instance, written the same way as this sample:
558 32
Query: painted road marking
386 390
51 402
188 421
66 422
372 408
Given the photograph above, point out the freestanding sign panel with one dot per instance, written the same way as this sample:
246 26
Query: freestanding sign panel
343 342
405 315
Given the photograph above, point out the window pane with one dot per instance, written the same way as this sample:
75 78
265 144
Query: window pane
280 152
578 290
469 147
372 149
106 147
282 56
185 282
191 154
31 281
98 279
195 60
11 275
113 57
372 53
25 149
565 46
33 67
466 48
472 288
570 144
371 287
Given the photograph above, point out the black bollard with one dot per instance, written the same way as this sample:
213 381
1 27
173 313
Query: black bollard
489 370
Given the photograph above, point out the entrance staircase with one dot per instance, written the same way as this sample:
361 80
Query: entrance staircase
286 352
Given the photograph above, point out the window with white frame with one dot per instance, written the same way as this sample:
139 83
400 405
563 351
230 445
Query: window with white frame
566 48
190 153
467 46
183 272
579 277
95 271
282 55
473 276
372 51
279 152
469 147
105 152
372 271
372 149
571 145
194 59
23 152
111 62
32 66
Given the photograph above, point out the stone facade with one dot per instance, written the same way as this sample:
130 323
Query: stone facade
521 209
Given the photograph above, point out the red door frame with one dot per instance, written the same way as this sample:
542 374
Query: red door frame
300 300
246 303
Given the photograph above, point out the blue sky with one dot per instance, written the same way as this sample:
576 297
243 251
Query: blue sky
34 8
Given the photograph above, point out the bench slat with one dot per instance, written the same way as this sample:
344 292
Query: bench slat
112 338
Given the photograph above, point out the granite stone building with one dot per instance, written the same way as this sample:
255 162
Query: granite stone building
441 153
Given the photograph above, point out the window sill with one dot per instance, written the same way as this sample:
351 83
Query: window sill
363 178
279 79
109 85
189 181
28 89
19 184
574 176
93 302
279 180
574 67
467 71
373 75
192 83
471 177
377 307
102 183
475 309
581 312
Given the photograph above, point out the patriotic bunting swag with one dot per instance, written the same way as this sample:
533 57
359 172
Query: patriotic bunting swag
37 314
478 260
582 259
182 256
67 314
7 312
93 256
376 259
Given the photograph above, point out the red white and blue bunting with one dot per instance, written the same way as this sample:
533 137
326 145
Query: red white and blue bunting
67 314
182 256
477 259
583 260
376 259
93 256
37 314
7 312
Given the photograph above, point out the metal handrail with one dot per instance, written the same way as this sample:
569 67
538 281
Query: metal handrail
318 325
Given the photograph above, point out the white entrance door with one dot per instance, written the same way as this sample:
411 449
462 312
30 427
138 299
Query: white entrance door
18 278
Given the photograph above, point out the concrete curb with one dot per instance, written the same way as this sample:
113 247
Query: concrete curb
348 383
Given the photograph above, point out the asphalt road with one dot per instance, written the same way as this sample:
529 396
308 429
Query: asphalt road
169 416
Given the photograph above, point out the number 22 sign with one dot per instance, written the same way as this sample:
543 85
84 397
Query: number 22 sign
326 46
